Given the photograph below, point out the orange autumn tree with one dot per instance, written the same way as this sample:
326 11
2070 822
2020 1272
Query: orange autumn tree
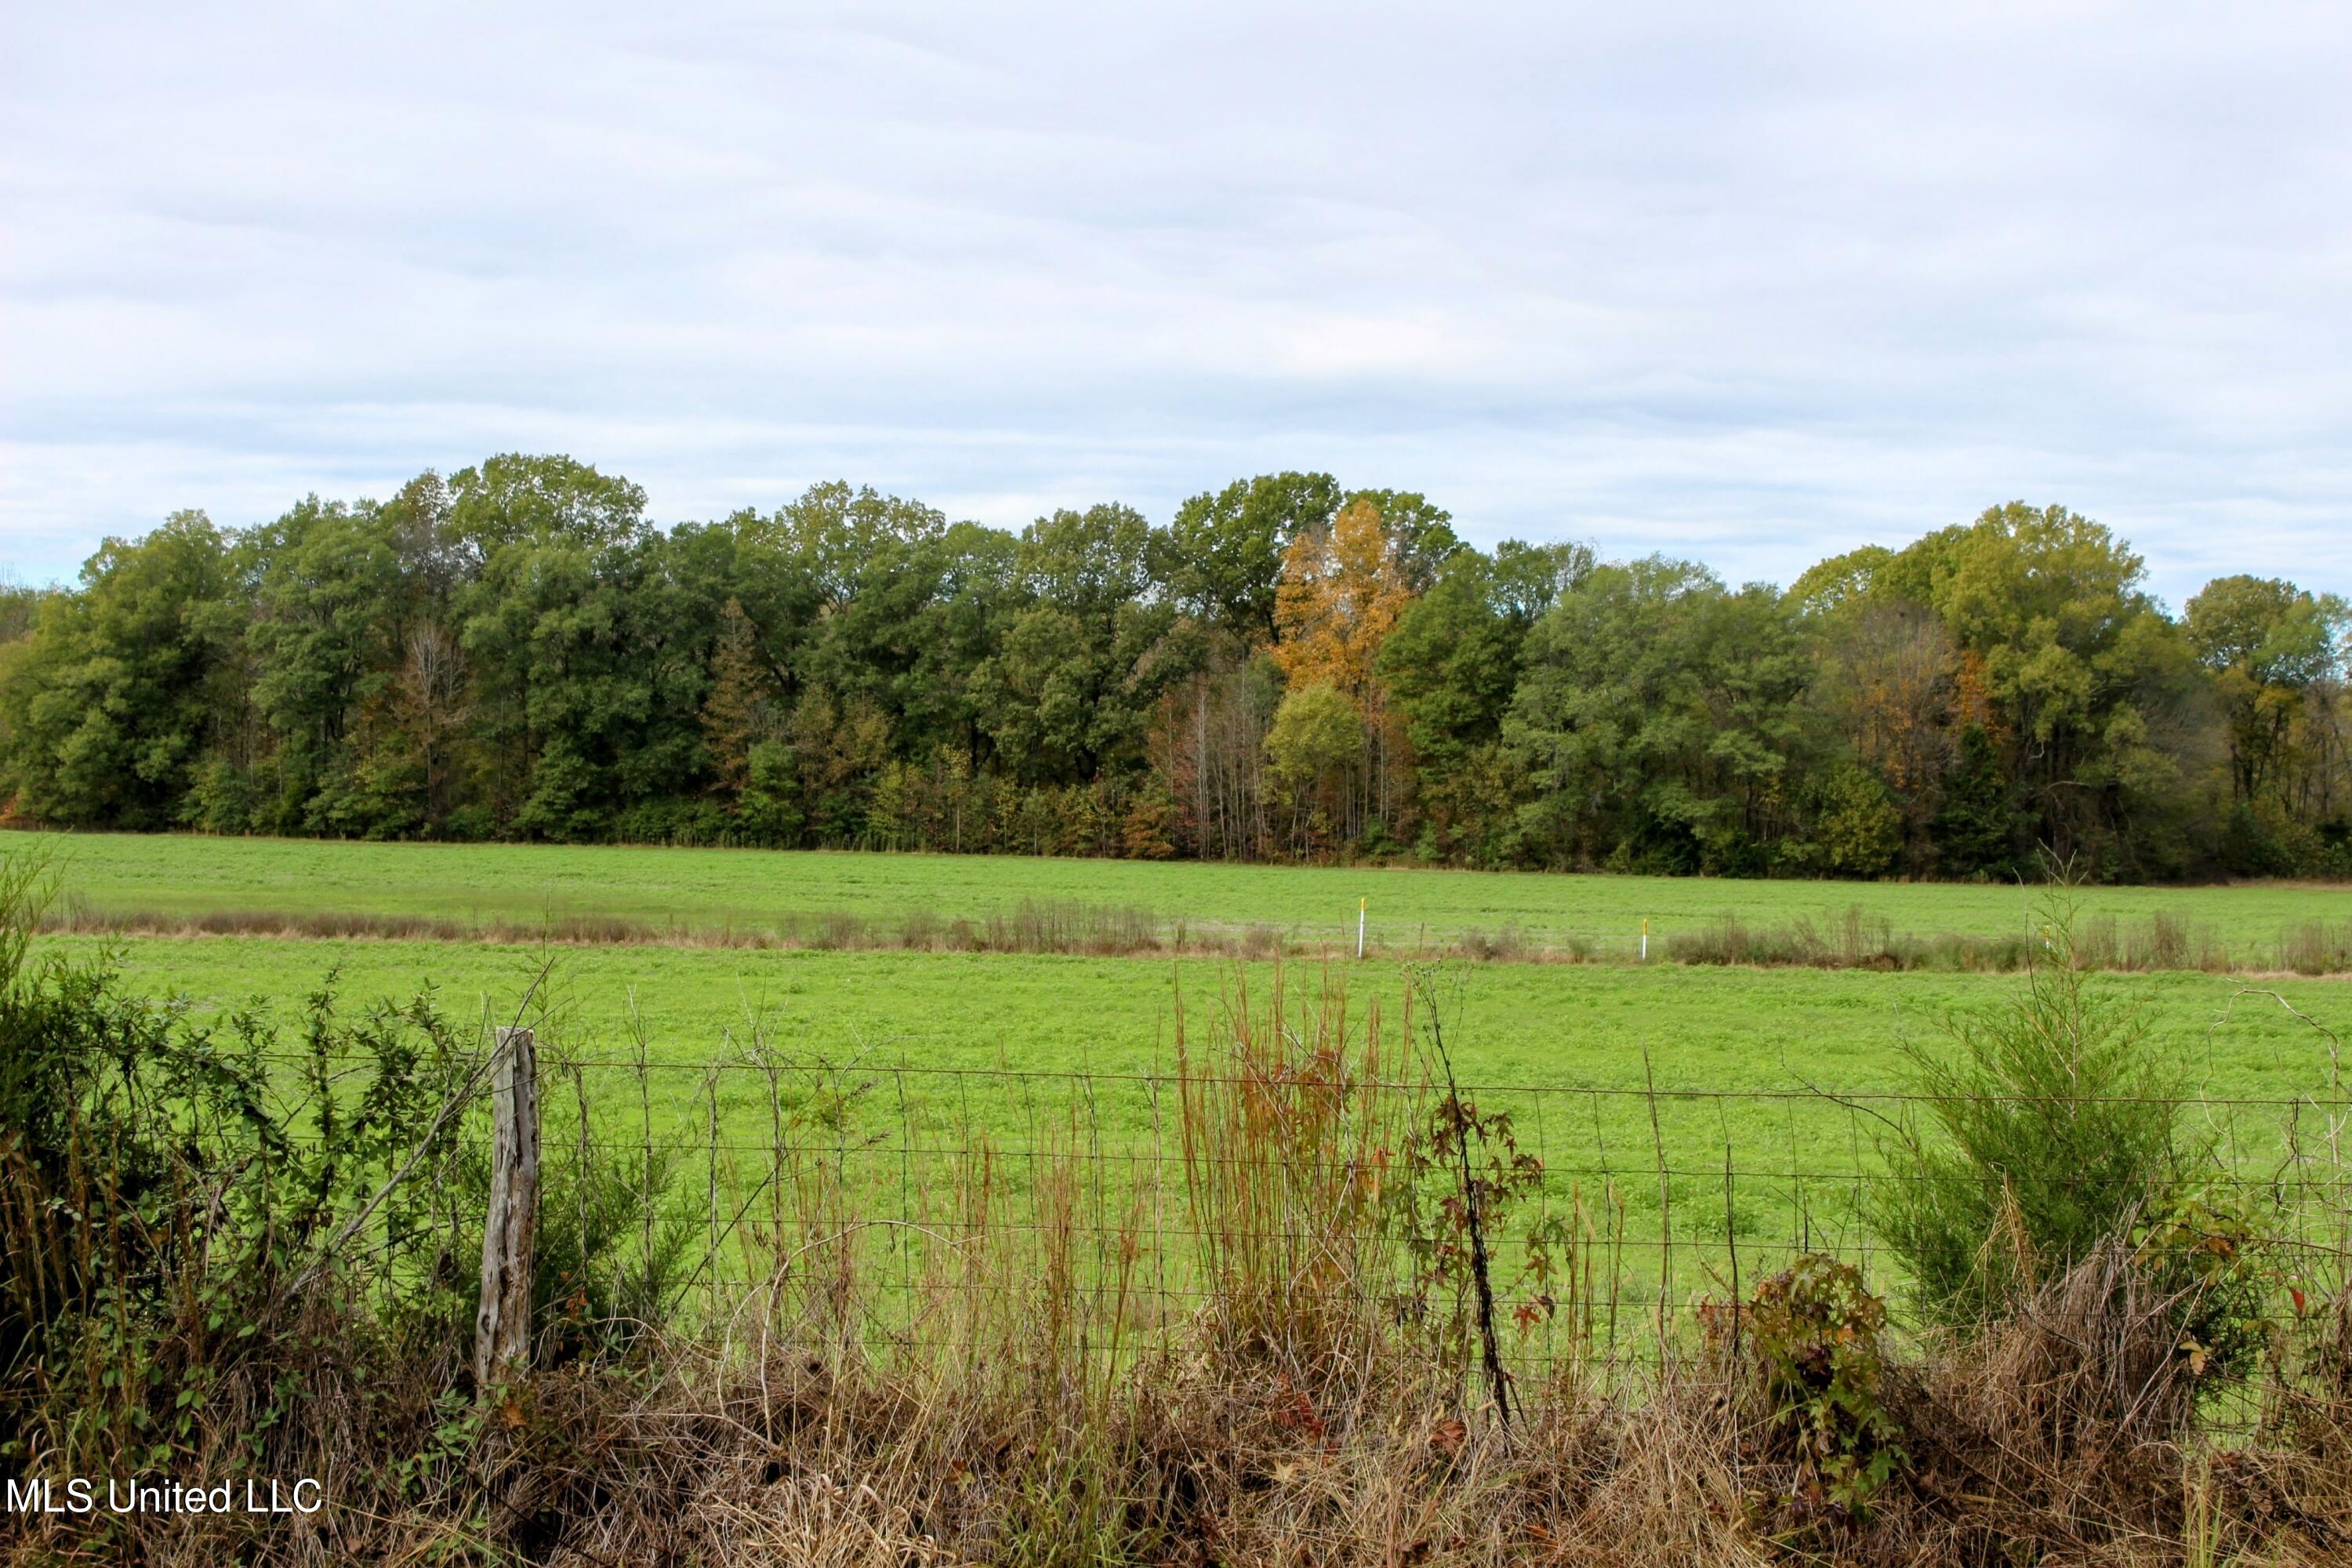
1339 595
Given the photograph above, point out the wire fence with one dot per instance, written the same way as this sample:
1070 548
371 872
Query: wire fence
881 1198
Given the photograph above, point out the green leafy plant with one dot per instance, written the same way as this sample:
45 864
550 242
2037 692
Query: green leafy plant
1808 1341
1467 1184
205 1226
2206 1250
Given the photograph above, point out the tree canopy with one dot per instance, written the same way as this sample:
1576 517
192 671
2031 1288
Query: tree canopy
1287 667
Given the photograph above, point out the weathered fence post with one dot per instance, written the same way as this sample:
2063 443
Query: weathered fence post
502 1327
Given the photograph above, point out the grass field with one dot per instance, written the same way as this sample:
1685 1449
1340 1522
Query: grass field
925 1048
913 1044
710 888
1519 1026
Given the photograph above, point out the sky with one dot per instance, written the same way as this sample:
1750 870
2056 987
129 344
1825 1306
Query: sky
1749 284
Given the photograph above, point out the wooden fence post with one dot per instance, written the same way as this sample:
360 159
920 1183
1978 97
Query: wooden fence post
502 1327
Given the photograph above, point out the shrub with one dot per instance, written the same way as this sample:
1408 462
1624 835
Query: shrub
232 1218
2203 1253
173 1197
1808 1344
2050 1125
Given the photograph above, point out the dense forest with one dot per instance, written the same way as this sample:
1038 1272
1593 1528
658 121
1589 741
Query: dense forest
1286 670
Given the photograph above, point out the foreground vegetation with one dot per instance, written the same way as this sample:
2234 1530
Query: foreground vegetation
1353 1318
1287 670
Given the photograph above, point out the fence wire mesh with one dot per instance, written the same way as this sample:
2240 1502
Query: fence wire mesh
880 1202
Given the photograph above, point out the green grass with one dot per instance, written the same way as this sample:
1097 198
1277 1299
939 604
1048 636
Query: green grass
1563 1047
910 1049
710 888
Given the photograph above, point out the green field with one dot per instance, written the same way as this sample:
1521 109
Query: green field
1523 1026
711 889
921 1038
925 1049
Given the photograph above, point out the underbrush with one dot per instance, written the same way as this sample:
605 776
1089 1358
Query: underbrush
1351 1325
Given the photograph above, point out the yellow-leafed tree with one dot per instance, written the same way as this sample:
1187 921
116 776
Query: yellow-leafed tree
1340 597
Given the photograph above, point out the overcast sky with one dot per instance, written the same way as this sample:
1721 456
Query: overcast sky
1748 283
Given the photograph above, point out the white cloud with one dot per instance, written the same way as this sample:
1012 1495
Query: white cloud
1750 284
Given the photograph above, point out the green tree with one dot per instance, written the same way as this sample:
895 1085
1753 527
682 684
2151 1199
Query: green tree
1858 830
769 810
1451 663
333 607
1069 695
1842 580
513 499
2268 644
20 609
1978 831
1421 533
738 708
1223 551
591 663
1317 733
899 606
1657 721
837 752
2078 664
1450 668
1526 580
1886 685
122 685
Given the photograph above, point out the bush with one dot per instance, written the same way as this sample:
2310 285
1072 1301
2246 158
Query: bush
1807 1344
177 1198
2203 1252
2049 1126
201 1220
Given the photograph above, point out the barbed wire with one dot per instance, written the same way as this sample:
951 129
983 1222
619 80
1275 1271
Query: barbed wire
877 1073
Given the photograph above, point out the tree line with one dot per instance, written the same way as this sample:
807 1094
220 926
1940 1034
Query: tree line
1286 669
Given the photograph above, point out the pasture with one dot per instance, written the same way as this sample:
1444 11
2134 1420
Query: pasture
1695 1102
713 889
1704 1102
